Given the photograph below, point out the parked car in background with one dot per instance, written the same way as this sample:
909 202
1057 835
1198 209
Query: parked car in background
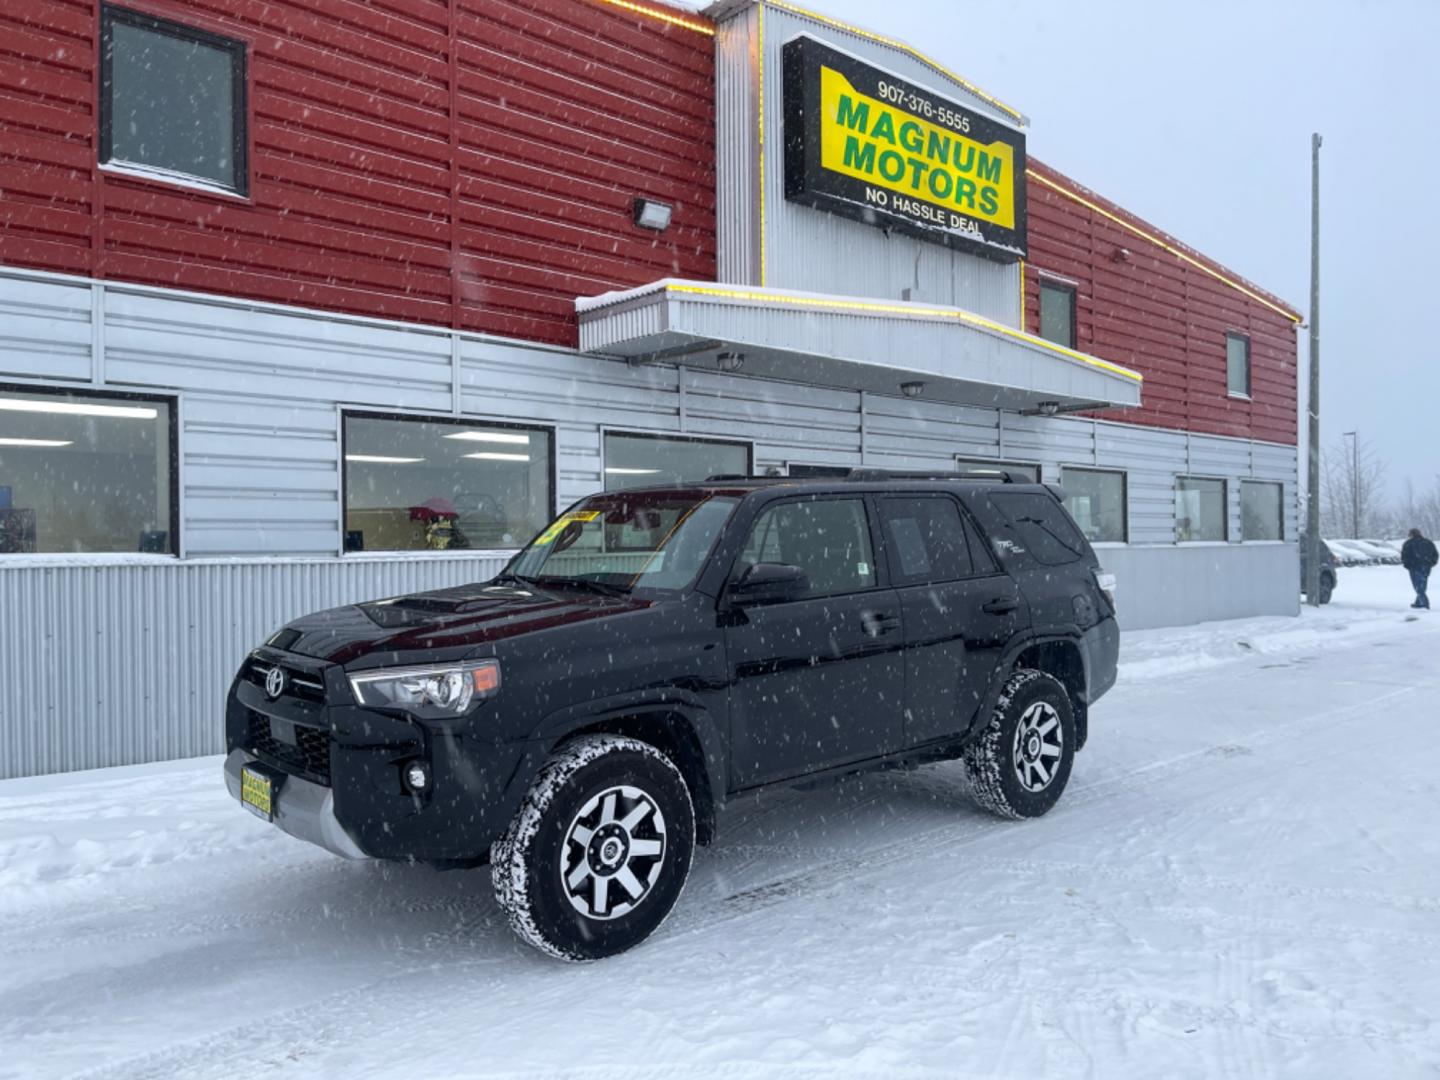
1328 575
1348 552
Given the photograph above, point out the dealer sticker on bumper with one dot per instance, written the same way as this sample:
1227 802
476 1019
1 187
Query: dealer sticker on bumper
257 792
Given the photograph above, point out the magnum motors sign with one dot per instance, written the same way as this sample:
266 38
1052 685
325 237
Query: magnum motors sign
869 145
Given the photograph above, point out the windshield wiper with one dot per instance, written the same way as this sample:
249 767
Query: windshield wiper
604 588
521 578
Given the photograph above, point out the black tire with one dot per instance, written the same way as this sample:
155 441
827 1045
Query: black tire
1327 586
1021 741
544 876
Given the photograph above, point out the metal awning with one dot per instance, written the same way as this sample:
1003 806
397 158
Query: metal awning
851 342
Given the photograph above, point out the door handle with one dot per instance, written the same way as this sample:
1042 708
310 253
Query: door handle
1001 605
876 623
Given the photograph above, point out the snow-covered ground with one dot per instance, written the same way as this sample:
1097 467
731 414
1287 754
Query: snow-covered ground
1243 880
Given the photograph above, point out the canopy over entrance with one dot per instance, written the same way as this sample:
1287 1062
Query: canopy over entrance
886 347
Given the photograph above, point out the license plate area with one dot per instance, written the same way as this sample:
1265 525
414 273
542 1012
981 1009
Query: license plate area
258 788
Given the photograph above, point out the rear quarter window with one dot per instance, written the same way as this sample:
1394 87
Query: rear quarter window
1041 526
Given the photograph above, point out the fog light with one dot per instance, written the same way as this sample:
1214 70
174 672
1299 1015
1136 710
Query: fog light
417 776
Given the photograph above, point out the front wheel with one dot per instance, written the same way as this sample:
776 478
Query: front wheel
599 850
1020 764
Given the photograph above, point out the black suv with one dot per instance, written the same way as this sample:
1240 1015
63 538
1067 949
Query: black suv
579 719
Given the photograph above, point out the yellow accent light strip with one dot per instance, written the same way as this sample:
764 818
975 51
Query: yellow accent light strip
895 309
760 46
674 19
1076 197
916 53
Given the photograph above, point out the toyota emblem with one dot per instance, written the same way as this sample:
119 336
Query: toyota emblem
275 682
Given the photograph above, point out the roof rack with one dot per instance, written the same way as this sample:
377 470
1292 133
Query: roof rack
1004 476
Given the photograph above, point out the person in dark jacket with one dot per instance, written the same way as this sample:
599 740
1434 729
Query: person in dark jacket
1418 555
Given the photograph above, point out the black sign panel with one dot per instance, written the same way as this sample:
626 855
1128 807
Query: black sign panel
869 145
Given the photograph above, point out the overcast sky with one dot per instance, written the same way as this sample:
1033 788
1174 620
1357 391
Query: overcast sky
1197 117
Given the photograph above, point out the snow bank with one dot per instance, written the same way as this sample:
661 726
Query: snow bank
1370 602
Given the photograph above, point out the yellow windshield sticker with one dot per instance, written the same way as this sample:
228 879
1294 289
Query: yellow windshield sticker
558 525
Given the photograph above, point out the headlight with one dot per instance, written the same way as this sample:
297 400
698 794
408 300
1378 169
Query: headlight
449 688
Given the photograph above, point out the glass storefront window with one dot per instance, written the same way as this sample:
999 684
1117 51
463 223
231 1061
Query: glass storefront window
1262 514
415 484
85 473
633 461
1200 509
1096 500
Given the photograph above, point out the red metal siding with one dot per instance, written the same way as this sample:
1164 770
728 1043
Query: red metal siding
470 164
1162 315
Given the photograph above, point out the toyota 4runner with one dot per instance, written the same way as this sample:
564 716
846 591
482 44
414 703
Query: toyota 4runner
578 720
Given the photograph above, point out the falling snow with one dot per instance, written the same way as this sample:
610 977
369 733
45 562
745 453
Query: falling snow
1242 880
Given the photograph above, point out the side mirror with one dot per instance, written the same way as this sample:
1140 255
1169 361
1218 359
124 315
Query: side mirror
769 583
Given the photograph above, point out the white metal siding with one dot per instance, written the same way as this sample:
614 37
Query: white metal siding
106 664
117 664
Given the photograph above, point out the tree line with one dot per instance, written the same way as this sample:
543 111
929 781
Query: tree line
1355 504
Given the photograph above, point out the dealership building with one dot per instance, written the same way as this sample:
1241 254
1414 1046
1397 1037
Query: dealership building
308 303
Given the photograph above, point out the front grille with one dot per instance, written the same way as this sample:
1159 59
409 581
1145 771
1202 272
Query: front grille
309 755
300 684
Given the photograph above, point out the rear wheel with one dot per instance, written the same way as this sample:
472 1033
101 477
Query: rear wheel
1020 764
1327 586
599 851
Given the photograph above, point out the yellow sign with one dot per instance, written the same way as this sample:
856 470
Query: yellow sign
865 143
875 141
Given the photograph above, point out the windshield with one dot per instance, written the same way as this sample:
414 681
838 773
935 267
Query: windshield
635 540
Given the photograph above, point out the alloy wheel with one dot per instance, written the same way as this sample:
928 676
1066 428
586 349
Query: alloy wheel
1038 745
613 852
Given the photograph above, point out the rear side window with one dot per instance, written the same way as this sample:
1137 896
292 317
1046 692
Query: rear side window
1041 526
925 539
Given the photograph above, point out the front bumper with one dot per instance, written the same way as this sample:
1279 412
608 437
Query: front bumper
304 810
343 764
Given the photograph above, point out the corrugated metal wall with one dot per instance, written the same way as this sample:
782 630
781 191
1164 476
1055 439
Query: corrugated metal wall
1162 316
117 664
261 388
106 664
468 164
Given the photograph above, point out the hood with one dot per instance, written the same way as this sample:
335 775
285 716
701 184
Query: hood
453 620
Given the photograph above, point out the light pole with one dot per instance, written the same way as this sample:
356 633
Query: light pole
1354 437
1312 516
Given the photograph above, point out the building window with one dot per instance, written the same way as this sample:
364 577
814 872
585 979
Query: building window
1096 500
646 460
417 484
86 473
1237 365
1057 313
1200 509
1031 472
1262 513
172 100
